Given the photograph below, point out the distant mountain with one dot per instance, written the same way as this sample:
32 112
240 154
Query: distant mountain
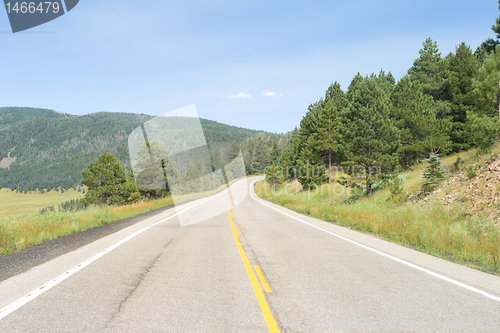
13 115
42 148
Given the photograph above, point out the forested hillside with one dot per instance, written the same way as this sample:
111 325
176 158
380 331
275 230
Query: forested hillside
51 149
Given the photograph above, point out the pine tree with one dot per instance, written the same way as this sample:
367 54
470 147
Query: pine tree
387 81
154 170
260 154
233 150
274 177
311 171
106 181
490 44
415 114
370 139
487 85
484 130
433 174
355 80
463 67
430 70
193 183
288 159
328 121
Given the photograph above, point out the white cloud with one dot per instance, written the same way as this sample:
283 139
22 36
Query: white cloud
240 95
268 93
281 95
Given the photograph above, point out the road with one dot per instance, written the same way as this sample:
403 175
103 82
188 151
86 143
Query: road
252 266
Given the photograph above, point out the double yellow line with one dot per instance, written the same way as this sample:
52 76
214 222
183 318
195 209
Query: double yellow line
264 306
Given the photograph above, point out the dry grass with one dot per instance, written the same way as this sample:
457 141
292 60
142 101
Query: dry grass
18 231
14 204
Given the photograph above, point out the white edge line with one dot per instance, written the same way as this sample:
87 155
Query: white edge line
49 285
401 261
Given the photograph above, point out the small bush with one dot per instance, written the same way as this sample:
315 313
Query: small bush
471 173
433 174
456 164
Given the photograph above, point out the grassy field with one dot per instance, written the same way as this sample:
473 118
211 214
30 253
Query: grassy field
12 203
20 229
425 225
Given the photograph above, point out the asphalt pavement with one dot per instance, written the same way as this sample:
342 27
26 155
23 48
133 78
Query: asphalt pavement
247 266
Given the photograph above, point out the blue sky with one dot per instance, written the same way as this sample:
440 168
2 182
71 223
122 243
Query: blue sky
255 64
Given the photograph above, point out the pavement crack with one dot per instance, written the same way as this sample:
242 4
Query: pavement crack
136 284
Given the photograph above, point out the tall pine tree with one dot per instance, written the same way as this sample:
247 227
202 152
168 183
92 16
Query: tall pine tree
463 67
490 44
328 122
370 139
415 114
430 70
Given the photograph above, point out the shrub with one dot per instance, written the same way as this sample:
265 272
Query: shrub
274 177
433 174
471 173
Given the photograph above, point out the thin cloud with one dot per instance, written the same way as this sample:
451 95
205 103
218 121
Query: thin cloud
240 95
281 95
268 93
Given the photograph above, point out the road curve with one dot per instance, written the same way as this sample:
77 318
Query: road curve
251 266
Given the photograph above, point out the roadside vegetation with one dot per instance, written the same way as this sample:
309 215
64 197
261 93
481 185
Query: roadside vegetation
445 222
19 232
110 194
413 161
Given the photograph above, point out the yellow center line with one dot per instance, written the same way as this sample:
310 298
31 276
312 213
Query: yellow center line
262 279
238 229
264 306
239 191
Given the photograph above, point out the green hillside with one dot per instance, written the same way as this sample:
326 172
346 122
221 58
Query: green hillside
12 115
51 149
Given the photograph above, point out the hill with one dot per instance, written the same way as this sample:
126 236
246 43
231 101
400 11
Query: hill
42 148
11 115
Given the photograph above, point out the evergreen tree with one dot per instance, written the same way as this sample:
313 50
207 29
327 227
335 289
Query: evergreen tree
487 85
430 70
415 114
289 157
463 67
328 122
311 171
387 81
106 181
193 183
261 152
490 44
484 130
233 150
154 169
275 153
355 80
274 177
370 139
433 174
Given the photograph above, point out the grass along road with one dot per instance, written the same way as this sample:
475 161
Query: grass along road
427 225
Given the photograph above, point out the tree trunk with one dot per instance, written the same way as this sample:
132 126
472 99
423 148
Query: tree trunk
329 166
368 189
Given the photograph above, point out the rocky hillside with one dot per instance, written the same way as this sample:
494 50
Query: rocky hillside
473 190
